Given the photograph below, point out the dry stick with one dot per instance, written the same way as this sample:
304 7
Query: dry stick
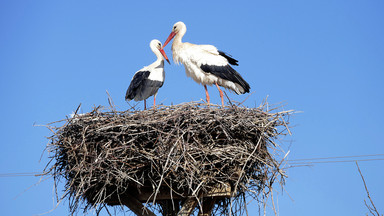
162 175
78 107
273 202
247 97
110 101
366 189
285 124
245 204
242 171
230 102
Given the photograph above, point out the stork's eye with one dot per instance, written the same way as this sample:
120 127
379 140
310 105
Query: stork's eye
174 27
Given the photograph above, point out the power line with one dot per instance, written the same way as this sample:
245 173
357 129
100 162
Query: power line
2 175
334 161
337 157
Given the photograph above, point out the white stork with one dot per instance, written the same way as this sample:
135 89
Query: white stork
205 64
147 81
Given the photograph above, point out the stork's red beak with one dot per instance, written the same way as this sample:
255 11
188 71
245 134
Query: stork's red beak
165 56
170 37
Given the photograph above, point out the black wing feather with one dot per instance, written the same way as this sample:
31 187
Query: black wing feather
231 60
138 79
228 73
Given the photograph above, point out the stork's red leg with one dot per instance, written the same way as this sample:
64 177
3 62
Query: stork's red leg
221 94
154 101
206 94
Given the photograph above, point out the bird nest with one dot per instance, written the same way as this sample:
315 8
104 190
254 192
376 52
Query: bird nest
176 152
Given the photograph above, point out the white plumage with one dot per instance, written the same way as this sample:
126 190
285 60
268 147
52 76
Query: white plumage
205 64
147 81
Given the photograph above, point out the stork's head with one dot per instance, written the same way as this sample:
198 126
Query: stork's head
178 28
157 45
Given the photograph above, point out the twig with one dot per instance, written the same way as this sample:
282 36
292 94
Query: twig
372 209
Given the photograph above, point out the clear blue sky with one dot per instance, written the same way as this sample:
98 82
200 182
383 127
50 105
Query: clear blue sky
325 58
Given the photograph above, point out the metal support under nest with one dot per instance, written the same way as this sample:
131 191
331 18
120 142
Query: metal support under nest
171 202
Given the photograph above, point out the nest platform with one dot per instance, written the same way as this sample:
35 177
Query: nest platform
175 160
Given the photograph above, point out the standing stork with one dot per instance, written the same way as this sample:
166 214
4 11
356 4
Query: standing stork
205 64
147 81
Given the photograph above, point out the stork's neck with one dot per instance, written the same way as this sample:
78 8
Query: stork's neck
157 53
177 40
160 58
159 63
176 44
